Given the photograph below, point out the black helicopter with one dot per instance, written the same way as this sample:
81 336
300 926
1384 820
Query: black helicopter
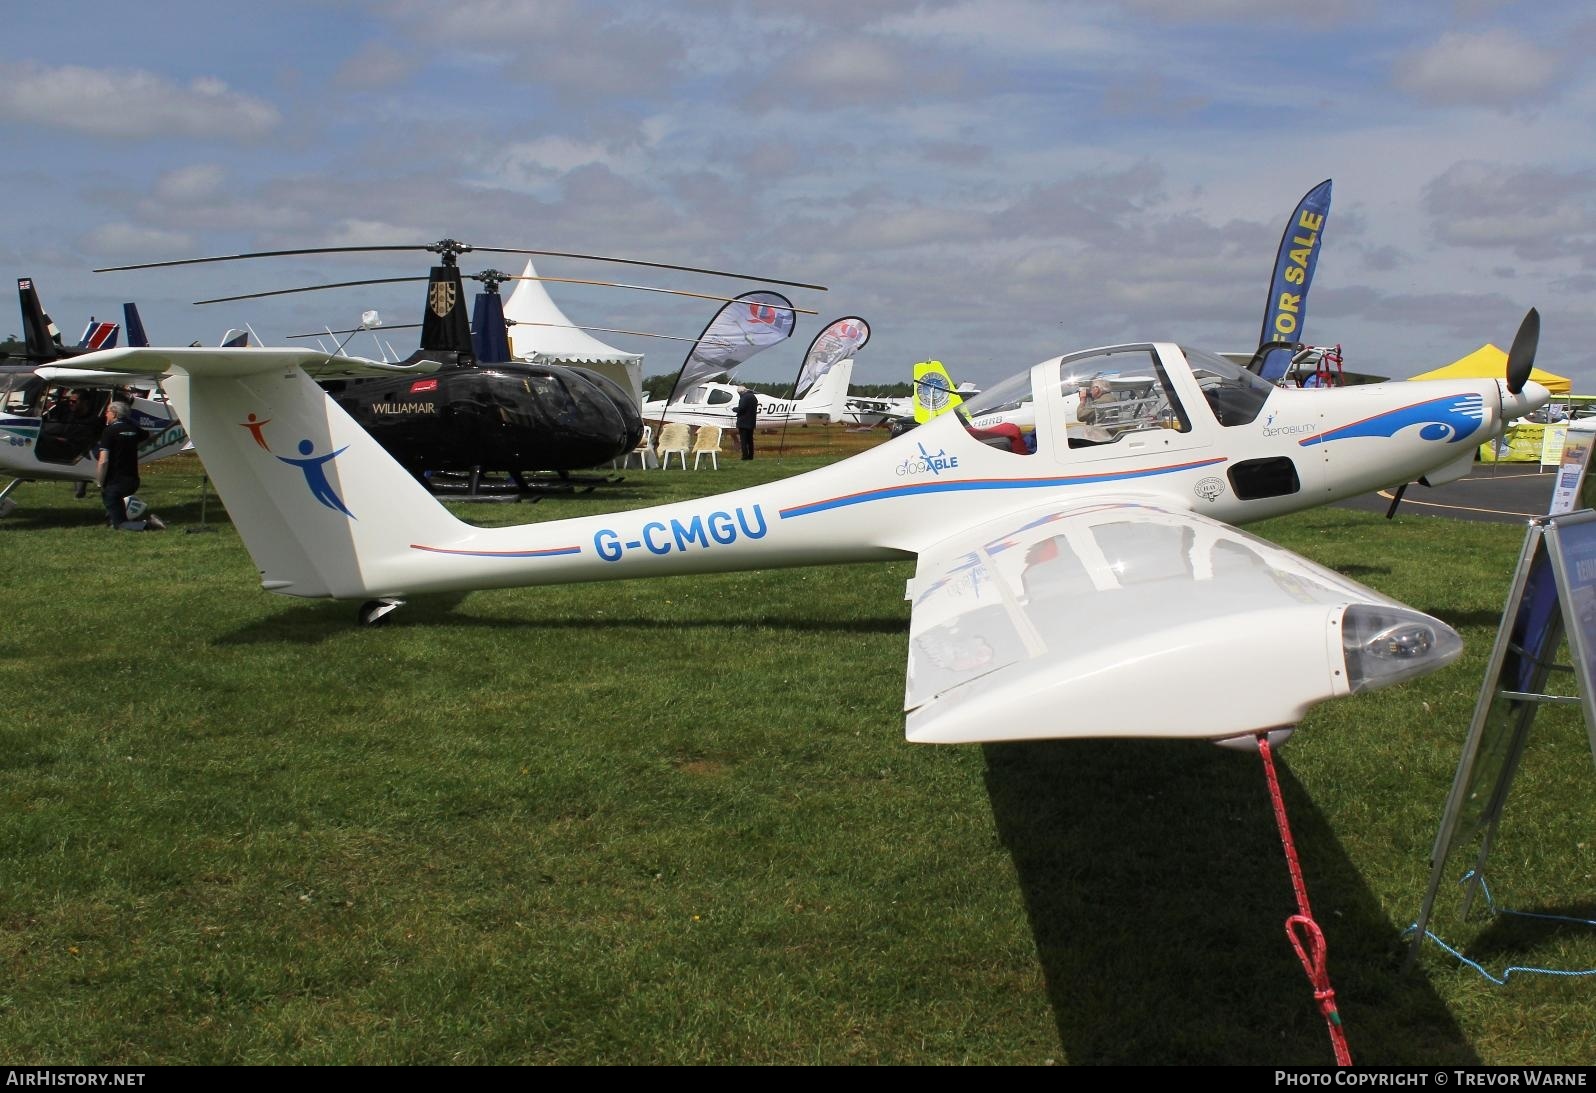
480 413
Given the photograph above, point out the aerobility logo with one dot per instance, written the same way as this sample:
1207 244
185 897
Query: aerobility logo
312 466
1271 429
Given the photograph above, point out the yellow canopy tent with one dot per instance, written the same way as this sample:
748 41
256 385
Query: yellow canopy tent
1489 362
1522 442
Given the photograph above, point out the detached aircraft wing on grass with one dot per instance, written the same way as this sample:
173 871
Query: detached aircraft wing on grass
1084 582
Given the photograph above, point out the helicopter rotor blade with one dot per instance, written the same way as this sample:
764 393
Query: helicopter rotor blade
308 288
651 288
604 330
651 265
257 254
509 322
451 248
357 330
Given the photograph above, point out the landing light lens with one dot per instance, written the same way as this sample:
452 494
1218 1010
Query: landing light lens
1385 645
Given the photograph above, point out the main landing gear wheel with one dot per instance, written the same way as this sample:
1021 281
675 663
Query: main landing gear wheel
376 612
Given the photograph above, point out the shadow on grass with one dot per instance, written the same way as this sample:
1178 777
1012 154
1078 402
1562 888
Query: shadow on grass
1512 937
89 512
314 622
1157 893
1358 572
1460 620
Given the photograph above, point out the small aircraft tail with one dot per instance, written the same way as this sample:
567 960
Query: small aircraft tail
933 391
135 326
98 335
322 508
828 398
40 335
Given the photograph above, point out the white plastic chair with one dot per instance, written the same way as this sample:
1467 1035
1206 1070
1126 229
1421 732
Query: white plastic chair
642 451
707 442
674 439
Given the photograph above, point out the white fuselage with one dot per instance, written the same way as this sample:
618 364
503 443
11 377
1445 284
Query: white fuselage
1302 449
716 404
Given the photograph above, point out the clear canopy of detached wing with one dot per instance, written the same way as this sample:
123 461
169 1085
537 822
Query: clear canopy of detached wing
1116 618
120 365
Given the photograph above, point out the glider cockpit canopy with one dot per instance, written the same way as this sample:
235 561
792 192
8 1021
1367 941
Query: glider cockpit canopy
1101 396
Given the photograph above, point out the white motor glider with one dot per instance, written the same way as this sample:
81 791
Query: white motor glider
1072 579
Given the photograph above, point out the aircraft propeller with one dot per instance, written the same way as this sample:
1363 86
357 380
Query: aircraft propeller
1521 358
450 250
1520 361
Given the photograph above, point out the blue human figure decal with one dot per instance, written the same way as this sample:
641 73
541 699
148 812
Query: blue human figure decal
316 476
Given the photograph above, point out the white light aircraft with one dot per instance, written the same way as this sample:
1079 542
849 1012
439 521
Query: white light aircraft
1066 587
49 426
716 404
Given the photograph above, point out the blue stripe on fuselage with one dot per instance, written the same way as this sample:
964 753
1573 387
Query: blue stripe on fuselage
965 485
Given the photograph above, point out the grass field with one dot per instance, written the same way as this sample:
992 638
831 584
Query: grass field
675 821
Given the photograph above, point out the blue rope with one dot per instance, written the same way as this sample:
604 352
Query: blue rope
1490 903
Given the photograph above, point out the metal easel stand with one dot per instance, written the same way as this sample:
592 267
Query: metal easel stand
1549 598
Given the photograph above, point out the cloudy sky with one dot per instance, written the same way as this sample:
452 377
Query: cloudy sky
990 183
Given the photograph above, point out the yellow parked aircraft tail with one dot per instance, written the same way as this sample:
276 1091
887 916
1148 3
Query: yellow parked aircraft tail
933 391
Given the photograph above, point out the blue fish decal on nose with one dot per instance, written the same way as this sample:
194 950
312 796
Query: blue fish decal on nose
1451 418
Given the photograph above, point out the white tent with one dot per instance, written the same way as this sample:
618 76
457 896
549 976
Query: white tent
540 333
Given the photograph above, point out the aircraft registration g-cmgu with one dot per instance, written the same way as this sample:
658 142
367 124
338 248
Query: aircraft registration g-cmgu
1055 577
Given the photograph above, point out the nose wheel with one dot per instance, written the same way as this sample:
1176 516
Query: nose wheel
376 612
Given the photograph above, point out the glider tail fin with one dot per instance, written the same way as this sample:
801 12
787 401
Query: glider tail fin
322 508
933 391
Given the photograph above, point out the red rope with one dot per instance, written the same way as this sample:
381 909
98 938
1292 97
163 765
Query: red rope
1301 930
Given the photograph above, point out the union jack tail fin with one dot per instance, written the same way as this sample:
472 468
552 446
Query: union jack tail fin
39 333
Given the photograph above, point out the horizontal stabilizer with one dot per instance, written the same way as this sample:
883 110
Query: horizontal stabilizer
222 361
94 377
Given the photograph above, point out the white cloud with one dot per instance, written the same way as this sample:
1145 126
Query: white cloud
130 239
191 183
1495 68
1536 213
374 66
130 103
